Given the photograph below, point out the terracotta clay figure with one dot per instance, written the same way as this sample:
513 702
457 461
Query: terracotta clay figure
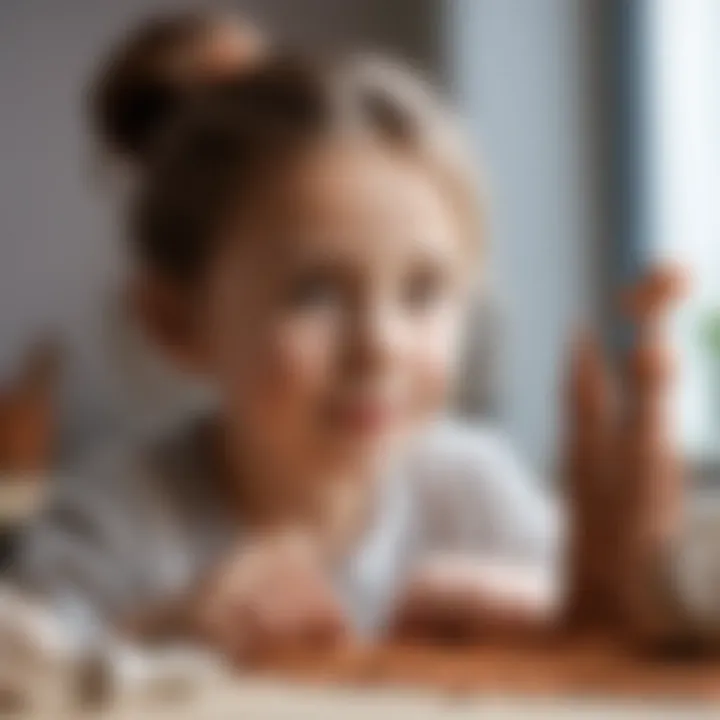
653 478
590 486
27 440
27 413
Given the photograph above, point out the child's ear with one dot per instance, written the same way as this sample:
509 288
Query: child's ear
168 317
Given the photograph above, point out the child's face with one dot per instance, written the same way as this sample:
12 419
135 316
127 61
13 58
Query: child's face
333 311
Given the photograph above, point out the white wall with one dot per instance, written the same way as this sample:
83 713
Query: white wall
524 77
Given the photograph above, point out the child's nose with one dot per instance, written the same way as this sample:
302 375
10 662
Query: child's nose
376 339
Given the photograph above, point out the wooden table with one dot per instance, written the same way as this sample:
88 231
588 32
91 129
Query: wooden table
577 668
560 680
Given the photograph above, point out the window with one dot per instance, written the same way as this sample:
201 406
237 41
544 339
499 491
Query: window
683 196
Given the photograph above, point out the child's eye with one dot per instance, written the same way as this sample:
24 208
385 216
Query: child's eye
313 290
423 289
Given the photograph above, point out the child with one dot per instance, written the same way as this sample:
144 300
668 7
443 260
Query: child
303 237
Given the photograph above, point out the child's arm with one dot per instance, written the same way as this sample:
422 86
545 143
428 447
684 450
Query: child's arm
490 537
470 599
267 594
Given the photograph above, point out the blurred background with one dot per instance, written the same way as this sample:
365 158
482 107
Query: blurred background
598 122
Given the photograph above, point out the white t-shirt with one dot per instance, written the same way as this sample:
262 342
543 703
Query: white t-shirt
136 527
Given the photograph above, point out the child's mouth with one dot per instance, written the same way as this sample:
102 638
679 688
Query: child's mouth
365 418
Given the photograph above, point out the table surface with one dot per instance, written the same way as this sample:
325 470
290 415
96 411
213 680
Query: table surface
589 678
578 667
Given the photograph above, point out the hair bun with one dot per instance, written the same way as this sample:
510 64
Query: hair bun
129 116
150 79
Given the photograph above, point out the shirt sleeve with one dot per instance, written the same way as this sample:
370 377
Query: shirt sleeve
83 555
479 499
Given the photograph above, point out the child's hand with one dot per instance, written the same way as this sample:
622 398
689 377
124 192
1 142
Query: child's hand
271 596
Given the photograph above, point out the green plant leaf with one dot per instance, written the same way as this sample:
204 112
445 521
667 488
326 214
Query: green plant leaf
711 332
